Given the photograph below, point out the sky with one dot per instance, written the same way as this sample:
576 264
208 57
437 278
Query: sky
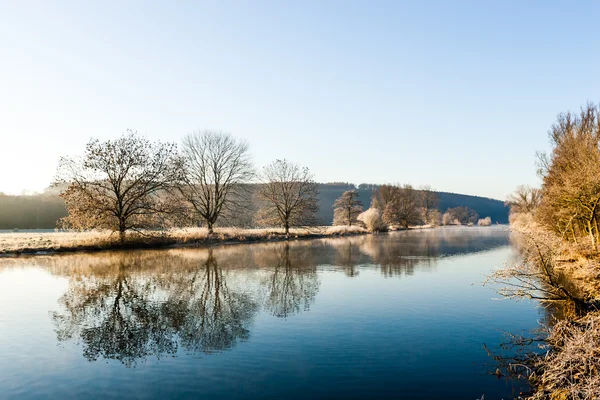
457 95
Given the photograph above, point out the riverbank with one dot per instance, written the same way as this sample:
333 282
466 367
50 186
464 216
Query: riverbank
565 276
31 243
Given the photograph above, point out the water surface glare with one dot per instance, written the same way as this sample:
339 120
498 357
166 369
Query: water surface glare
399 315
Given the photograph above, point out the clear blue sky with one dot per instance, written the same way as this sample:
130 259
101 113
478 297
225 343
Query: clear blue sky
457 95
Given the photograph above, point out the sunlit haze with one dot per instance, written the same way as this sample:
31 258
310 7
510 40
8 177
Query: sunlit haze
456 95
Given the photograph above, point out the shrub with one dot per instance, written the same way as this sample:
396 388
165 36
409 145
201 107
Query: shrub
372 219
487 221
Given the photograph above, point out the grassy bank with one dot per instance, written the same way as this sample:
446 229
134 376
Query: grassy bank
16 243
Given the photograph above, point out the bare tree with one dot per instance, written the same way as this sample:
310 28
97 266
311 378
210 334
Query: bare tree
401 205
382 196
288 194
435 218
216 169
347 208
448 219
460 216
524 199
119 184
429 203
571 177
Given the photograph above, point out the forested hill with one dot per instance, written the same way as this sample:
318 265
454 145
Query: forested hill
31 212
43 211
485 207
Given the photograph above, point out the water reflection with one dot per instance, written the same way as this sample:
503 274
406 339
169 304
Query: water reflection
131 307
348 256
128 306
293 283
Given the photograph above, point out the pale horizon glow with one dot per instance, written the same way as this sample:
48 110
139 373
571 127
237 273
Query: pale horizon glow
455 95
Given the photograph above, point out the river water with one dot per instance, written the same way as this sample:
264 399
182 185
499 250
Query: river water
398 315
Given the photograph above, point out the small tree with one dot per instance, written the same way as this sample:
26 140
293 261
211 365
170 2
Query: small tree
347 208
524 199
435 218
119 184
460 216
448 219
382 196
402 208
288 195
429 203
216 168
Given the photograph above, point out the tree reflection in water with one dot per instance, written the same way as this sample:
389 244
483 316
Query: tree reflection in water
293 282
129 306
130 310
348 255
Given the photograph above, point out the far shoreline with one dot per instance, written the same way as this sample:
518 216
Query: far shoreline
94 242
28 244
67 242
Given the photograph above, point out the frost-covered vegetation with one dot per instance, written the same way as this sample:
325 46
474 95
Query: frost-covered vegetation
372 220
557 231
143 191
67 241
347 208
487 221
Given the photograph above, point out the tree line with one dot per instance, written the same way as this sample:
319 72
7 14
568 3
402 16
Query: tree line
133 184
558 230
568 203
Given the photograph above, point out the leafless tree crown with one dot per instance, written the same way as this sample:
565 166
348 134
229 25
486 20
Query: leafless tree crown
217 168
119 184
524 199
400 205
570 201
288 194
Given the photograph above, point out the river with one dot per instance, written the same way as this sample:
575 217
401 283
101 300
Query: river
398 315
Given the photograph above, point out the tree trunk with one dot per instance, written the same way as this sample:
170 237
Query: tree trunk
592 236
121 231
287 229
210 227
597 230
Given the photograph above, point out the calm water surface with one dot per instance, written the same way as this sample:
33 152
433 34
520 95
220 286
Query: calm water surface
400 315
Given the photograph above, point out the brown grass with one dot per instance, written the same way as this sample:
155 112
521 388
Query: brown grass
571 368
15 243
576 264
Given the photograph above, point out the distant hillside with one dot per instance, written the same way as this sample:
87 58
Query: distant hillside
485 207
43 211
31 212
